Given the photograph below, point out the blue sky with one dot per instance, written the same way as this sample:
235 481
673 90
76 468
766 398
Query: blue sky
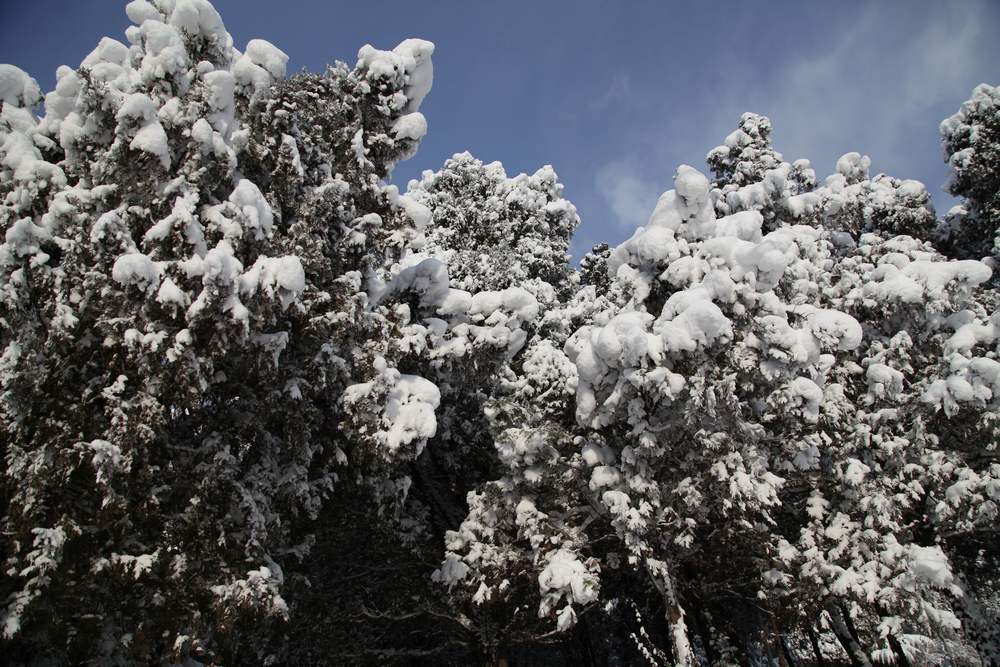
616 94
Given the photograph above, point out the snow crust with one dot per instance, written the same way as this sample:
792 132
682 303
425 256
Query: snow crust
261 64
412 126
281 276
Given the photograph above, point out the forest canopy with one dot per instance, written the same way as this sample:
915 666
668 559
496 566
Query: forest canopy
262 406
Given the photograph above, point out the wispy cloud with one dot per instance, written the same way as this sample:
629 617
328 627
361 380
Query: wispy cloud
879 87
619 89
627 192
874 90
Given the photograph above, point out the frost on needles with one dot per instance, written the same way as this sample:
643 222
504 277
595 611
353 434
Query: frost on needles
261 407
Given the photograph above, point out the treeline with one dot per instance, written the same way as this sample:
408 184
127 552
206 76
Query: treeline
261 407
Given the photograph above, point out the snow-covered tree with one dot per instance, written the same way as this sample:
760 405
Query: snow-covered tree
259 406
493 231
745 155
594 268
729 446
851 201
183 305
741 165
971 141
751 176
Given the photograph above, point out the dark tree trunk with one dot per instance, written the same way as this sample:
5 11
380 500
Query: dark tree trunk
897 649
814 640
787 652
847 639
850 623
704 630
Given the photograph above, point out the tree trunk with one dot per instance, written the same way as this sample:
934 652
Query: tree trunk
680 643
897 648
705 630
787 652
445 513
814 640
497 656
849 622
857 654
981 628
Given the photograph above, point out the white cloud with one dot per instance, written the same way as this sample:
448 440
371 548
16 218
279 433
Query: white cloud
627 192
880 87
874 89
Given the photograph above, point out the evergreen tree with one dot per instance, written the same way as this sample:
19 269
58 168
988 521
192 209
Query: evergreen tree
740 434
183 305
493 231
594 268
971 141
260 407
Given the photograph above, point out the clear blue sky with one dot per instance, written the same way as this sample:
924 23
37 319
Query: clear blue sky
616 94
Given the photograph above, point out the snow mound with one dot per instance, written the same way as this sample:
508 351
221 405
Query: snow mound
17 88
136 269
410 62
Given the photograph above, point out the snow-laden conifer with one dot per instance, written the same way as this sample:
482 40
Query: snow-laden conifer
187 240
971 142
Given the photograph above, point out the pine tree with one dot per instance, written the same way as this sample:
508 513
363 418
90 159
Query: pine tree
493 231
187 237
594 268
971 142
242 377
740 433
